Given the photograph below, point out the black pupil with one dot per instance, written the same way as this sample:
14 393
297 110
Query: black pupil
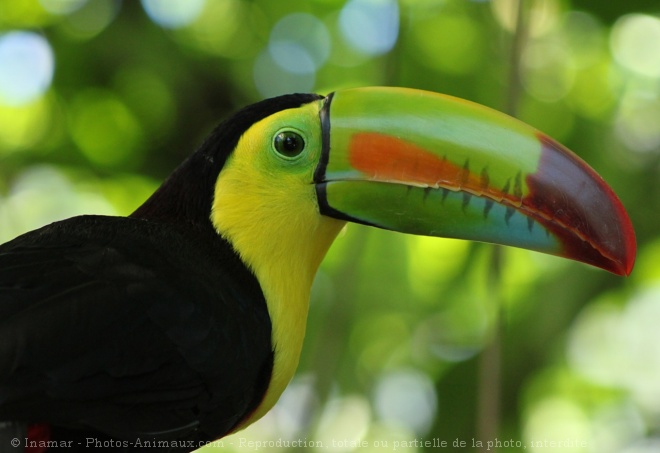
289 144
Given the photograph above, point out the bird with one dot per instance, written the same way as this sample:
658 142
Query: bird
184 321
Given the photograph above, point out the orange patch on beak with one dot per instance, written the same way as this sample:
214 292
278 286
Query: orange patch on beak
387 158
390 159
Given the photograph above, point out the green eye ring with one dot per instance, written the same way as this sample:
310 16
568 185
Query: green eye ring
288 144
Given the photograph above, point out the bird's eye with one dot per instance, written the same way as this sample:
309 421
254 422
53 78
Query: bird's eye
289 144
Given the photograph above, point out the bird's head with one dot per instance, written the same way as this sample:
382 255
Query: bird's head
415 162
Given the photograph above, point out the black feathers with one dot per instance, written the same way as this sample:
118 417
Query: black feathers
131 328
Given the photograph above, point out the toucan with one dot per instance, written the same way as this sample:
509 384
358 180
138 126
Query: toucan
184 321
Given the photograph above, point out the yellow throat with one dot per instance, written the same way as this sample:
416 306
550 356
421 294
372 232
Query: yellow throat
269 213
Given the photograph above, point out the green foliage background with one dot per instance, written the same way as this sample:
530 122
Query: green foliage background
398 326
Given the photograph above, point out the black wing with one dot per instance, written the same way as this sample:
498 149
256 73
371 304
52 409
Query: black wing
130 327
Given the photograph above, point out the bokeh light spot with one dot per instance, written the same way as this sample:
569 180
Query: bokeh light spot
299 43
406 398
637 119
557 420
634 42
618 347
173 13
371 26
453 335
292 57
346 418
26 67
292 409
271 80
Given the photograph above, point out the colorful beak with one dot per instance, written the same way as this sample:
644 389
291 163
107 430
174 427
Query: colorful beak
428 164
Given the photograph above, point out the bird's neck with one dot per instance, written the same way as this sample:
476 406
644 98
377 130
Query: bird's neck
283 243
185 197
286 284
